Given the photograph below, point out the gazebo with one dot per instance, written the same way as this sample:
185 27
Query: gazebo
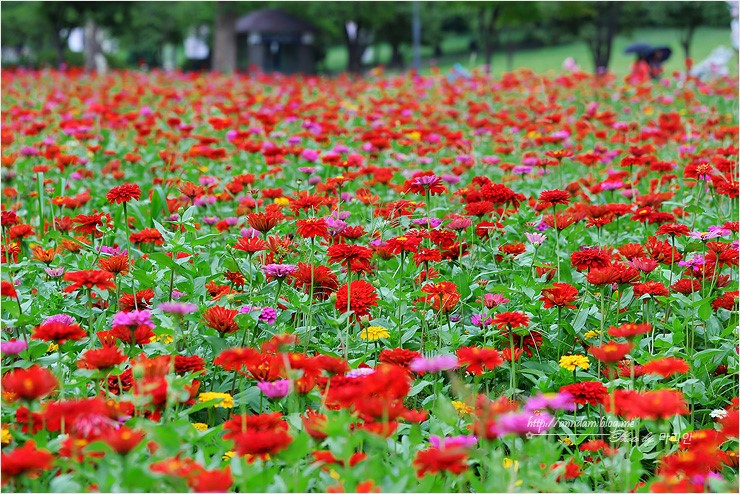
275 41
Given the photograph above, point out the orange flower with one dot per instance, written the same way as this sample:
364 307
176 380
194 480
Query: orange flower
118 264
45 256
221 319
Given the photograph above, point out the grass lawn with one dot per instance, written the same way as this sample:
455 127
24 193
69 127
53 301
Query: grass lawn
551 58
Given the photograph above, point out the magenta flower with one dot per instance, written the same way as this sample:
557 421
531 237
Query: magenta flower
459 224
359 372
453 442
553 401
535 239
134 318
428 222
180 308
481 320
426 180
491 300
60 318
434 364
275 389
279 271
13 347
54 272
269 315
526 422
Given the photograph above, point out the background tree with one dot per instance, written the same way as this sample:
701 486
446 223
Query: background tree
688 16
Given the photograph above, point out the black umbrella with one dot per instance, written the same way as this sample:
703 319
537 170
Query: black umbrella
640 49
661 54
654 54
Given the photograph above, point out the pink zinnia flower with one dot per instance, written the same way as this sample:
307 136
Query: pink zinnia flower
275 389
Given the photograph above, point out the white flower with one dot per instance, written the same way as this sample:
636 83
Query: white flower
719 413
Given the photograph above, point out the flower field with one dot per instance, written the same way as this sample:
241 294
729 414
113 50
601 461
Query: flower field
393 284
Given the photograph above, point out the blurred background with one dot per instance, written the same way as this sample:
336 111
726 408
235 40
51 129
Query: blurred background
334 37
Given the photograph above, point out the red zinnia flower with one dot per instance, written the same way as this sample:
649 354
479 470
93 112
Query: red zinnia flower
324 280
356 257
559 295
59 332
188 363
362 296
211 480
8 290
101 358
477 358
511 319
123 193
686 286
442 296
314 423
611 352
264 434
264 222
652 288
25 459
590 258
588 392
236 358
629 330
674 230
250 245
650 405
435 460
549 198
123 439
221 319
89 279
398 356
88 224
603 276
666 367
312 227
29 384
397 245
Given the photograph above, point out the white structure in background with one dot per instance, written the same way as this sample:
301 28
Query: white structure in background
715 65
195 46
76 41
734 10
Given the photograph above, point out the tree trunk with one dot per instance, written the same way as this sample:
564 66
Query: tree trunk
91 44
605 29
487 27
356 46
224 46
686 37
396 56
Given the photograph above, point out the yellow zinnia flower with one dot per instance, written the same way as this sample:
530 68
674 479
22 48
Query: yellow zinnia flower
591 334
462 408
6 438
201 426
227 401
282 201
372 333
570 362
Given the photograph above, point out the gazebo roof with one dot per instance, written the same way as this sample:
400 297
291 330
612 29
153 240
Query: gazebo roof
272 21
